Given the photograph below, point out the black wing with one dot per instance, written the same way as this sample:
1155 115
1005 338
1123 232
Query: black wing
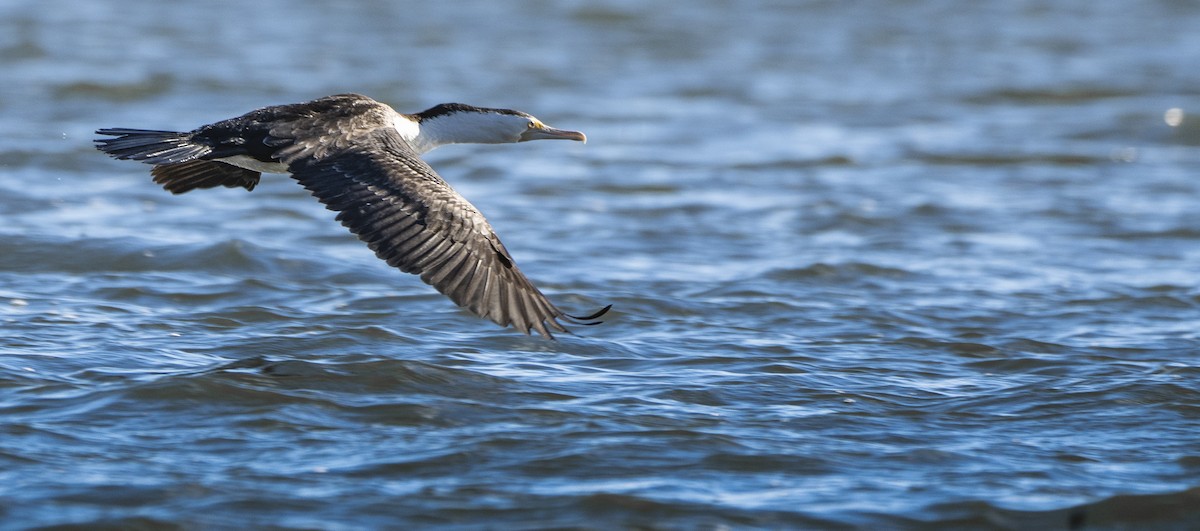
392 200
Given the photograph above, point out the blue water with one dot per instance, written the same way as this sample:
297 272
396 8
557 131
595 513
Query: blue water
895 264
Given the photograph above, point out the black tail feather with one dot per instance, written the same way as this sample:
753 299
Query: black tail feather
151 147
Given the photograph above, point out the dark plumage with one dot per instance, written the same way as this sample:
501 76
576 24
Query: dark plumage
362 159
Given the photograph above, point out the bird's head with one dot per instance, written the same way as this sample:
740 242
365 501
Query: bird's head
456 123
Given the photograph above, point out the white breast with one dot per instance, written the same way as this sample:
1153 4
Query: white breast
410 131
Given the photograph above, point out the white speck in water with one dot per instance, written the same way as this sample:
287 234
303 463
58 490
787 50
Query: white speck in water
175 334
1173 116
19 302
29 369
1125 154
849 401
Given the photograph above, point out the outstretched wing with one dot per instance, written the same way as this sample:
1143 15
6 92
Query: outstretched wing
392 200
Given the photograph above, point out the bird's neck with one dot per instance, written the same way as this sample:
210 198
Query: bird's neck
455 128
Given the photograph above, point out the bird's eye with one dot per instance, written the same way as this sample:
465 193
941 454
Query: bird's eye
533 125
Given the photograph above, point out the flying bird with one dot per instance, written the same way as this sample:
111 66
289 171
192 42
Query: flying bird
362 159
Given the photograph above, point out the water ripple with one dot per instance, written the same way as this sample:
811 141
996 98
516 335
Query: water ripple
868 273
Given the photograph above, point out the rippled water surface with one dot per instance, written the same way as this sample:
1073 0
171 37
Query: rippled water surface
895 264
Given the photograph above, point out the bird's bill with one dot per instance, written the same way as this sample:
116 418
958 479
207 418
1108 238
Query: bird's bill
549 133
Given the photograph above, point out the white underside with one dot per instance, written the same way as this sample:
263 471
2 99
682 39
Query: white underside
251 163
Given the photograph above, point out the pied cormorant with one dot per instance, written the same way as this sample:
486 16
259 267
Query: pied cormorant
362 159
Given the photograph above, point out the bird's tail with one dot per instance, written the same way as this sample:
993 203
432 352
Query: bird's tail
151 147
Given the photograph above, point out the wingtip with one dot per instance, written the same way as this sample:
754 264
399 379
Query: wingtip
544 331
591 317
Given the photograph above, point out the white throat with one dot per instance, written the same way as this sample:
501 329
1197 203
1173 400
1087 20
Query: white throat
459 128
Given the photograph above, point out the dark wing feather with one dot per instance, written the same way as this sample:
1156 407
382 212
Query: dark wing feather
392 200
187 176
